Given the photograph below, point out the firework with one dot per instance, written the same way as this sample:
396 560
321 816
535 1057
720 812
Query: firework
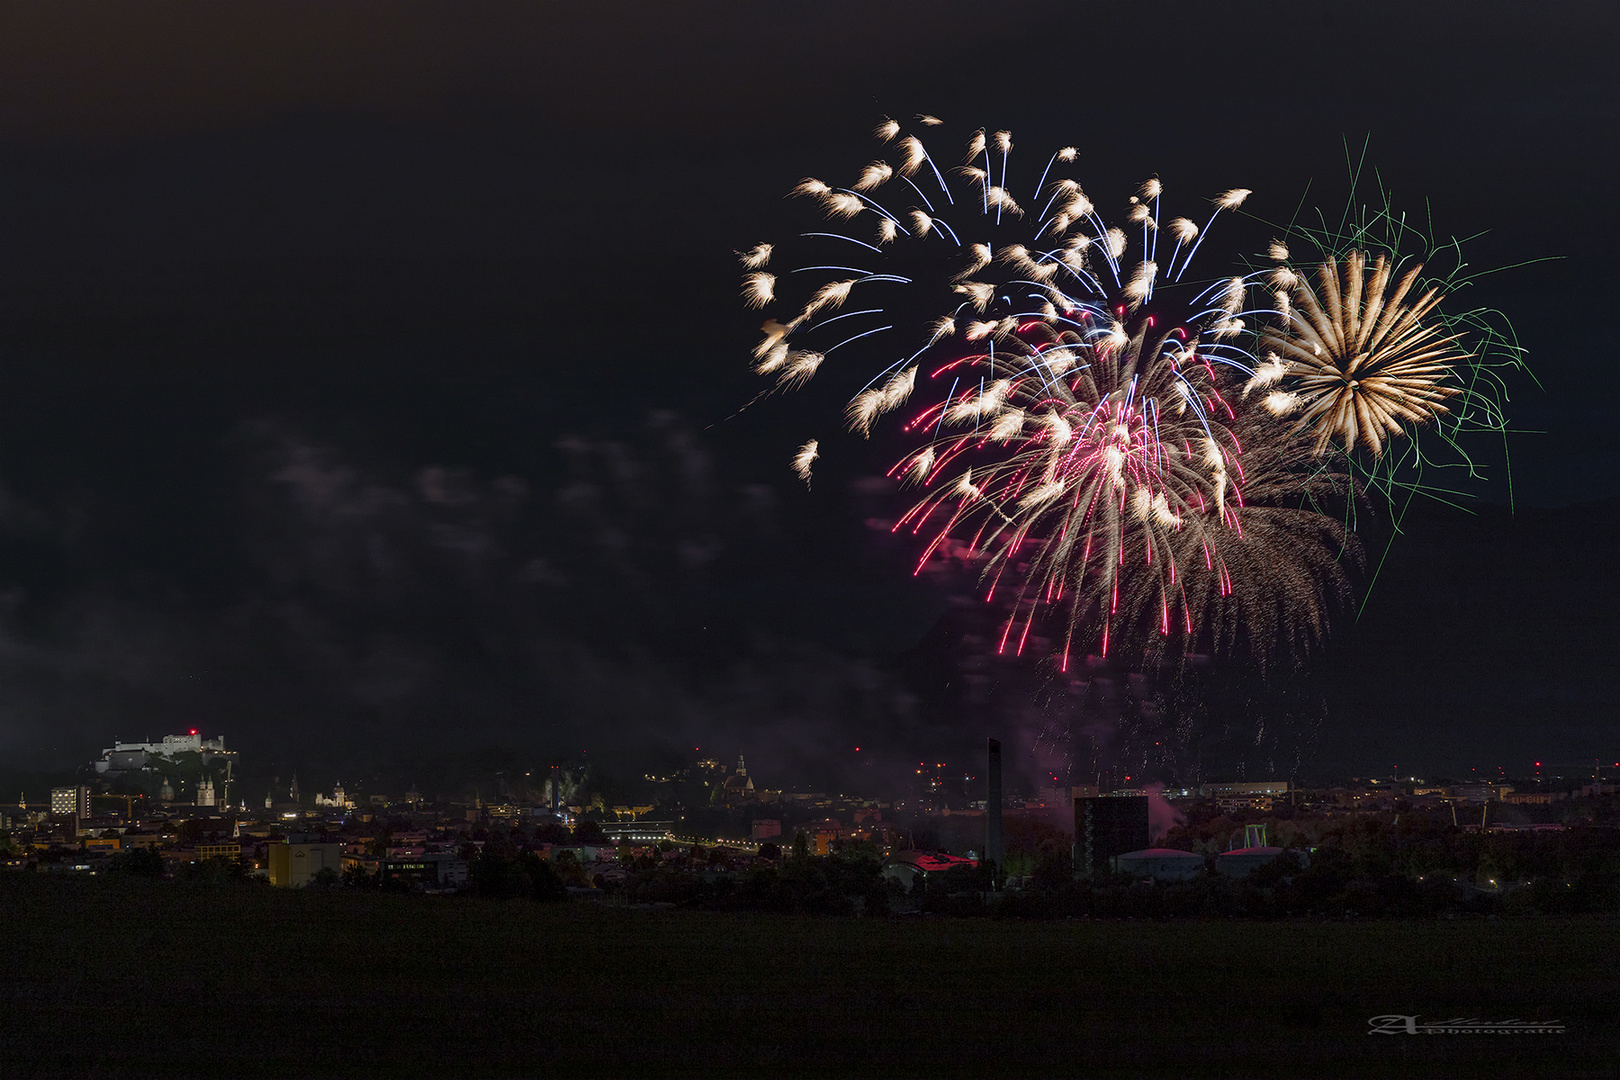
1288 566
1430 406
1076 402
1358 362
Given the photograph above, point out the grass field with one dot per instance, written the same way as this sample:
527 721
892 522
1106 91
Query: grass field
111 979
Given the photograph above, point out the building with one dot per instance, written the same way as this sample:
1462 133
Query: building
1160 864
124 757
1535 798
294 865
765 829
739 787
218 850
339 799
637 832
1063 797
910 868
819 835
1228 803
1477 793
1245 861
205 792
421 872
71 801
1107 826
1245 790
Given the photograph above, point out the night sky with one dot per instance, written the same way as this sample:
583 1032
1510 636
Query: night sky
365 371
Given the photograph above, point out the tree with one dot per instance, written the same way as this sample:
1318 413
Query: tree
1019 864
1055 867
544 884
567 867
494 875
142 861
550 833
880 895
355 876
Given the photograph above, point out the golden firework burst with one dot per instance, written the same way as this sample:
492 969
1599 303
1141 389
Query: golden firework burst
1358 361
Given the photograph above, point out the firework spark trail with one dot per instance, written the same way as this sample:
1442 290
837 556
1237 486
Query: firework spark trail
1445 407
1088 417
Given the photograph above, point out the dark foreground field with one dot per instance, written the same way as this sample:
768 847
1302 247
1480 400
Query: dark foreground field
132 979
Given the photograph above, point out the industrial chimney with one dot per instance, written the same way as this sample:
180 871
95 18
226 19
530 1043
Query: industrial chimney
992 810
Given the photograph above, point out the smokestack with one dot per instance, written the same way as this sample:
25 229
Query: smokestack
992 809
